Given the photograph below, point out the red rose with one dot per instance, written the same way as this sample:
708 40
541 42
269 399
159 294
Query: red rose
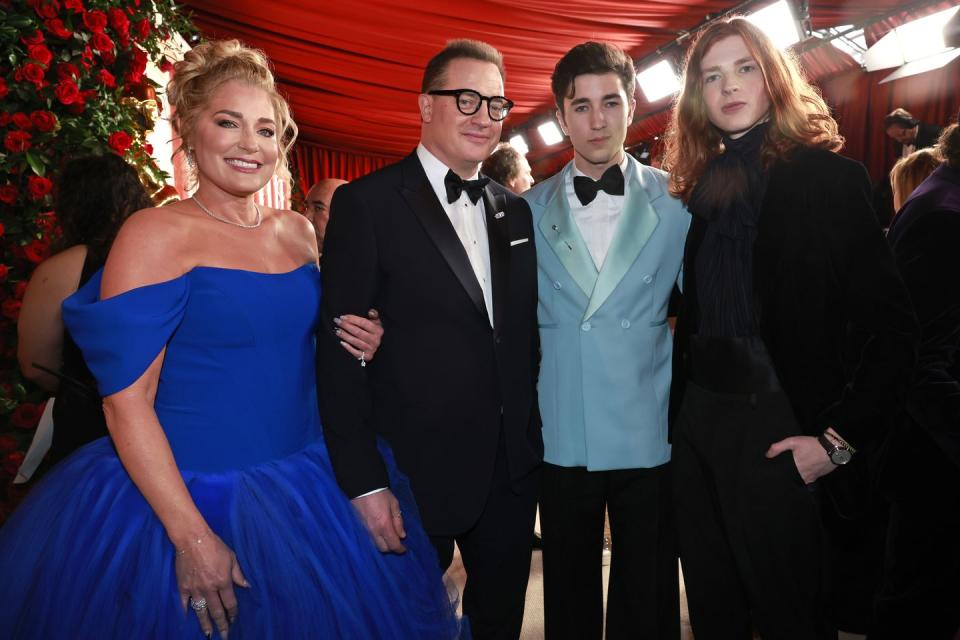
120 141
27 415
44 121
74 5
34 73
107 79
101 42
17 141
8 193
67 91
4 118
7 443
11 309
119 21
19 290
124 40
46 9
4 271
165 65
56 27
95 20
138 60
22 121
13 460
36 38
87 53
66 70
148 148
38 187
77 107
40 53
37 251
3 88
143 29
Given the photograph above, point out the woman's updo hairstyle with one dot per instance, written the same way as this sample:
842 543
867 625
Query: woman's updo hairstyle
211 64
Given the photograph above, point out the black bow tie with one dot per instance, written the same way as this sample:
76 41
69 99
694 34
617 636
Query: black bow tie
456 185
611 181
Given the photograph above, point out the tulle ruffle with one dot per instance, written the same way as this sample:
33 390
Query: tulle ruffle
85 557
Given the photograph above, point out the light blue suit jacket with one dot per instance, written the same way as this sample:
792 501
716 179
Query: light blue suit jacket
605 370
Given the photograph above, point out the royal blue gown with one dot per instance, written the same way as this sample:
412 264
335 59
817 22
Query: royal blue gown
85 557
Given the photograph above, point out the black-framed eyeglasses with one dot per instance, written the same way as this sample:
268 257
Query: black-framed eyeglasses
469 101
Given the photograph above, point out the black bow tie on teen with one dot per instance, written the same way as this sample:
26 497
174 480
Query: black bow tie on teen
456 185
611 181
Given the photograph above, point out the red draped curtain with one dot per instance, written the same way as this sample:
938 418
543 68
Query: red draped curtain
312 162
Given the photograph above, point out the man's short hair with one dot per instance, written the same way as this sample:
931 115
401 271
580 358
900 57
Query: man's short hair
434 74
901 118
503 164
592 57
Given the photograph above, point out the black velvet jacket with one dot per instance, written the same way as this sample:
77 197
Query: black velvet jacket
831 306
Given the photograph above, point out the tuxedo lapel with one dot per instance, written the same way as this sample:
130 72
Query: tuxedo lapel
636 225
498 239
422 199
561 233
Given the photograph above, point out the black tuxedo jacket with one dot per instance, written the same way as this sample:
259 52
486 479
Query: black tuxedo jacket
925 236
927 135
444 385
832 308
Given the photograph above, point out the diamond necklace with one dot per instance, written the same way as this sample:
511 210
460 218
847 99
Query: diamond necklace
236 224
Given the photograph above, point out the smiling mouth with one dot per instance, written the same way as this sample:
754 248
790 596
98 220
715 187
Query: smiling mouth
247 165
733 106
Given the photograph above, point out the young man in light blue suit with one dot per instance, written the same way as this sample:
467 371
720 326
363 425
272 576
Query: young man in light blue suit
610 244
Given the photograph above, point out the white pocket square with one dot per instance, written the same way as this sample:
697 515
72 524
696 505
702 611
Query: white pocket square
514 243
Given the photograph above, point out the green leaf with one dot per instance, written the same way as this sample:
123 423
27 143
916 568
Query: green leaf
36 162
20 21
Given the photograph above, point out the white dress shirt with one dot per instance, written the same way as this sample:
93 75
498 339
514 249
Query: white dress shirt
598 220
468 220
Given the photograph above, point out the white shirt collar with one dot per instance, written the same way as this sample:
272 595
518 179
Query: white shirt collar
436 171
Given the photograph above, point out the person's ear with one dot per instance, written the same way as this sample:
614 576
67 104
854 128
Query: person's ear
561 122
425 103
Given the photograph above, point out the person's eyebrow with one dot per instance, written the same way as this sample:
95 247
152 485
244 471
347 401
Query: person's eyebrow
239 116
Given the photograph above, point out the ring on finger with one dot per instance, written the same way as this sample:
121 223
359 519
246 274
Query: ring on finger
398 514
198 605
363 358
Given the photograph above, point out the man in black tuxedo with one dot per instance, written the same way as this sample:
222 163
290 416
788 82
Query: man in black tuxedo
909 133
448 259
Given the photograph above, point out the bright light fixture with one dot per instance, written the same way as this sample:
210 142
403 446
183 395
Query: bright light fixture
519 143
912 42
658 81
920 66
778 22
550 132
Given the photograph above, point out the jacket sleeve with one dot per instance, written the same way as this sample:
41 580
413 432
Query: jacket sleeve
349 268
927 255
880 331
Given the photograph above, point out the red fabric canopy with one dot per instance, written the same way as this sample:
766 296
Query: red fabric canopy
352 70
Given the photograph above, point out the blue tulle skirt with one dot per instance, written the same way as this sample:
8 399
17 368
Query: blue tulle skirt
85 557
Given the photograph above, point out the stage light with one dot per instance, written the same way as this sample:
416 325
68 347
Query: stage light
550 132
778 21
658 81
519 143
920 66
913 42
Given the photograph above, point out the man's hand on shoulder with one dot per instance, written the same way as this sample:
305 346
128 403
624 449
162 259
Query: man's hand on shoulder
380 513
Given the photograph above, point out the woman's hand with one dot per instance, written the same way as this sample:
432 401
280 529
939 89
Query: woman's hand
809 456
360 336
206 572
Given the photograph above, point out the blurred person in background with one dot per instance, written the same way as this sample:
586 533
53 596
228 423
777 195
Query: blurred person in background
509 167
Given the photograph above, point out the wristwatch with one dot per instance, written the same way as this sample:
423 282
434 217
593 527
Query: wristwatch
840 453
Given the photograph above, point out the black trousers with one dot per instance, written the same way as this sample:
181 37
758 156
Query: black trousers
751 543
920 593
643 600
496 555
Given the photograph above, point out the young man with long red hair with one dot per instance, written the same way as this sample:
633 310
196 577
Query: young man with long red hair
795 341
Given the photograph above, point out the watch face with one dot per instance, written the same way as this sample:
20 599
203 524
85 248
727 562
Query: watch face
840 455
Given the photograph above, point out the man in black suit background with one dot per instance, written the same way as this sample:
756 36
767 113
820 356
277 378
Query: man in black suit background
448 259
909 133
